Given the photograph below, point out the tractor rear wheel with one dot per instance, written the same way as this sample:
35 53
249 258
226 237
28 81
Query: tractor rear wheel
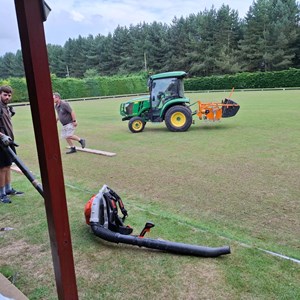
136 124
178 118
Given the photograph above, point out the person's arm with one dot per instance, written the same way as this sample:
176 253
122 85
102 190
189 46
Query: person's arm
73 115
56 114
5 139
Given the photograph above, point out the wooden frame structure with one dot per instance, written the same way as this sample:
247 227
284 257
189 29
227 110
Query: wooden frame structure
30 17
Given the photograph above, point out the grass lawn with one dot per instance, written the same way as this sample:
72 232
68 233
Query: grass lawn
233 183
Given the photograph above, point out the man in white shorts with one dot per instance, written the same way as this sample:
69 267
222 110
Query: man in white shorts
67 117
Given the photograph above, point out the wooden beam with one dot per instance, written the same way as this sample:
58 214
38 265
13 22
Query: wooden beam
93 151
35 57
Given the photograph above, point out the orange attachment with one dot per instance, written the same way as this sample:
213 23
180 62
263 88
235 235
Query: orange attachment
88 209
210 111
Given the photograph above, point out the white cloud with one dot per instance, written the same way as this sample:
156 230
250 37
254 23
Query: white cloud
77 16
71 18
9 35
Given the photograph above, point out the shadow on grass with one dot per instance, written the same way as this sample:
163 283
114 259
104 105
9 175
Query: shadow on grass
212 127
193 128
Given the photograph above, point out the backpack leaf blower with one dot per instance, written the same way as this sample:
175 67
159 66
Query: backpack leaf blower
101 213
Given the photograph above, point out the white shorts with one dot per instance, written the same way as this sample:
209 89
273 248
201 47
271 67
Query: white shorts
67 130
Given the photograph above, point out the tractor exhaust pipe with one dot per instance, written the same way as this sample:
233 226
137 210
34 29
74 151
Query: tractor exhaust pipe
173 247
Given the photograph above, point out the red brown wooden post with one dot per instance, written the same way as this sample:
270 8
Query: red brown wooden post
35 57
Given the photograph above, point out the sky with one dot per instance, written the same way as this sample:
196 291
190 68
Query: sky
71 18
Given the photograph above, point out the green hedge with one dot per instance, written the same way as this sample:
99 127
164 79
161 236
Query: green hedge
98 86
117 85
279 79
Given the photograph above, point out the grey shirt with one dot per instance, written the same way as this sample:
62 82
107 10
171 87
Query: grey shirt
64 111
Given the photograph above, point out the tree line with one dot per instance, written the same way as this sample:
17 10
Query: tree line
211 42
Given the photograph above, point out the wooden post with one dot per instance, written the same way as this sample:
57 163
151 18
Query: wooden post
30 22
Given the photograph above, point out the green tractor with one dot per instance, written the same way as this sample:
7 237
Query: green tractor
166 103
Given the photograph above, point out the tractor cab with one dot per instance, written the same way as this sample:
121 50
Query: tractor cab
163 89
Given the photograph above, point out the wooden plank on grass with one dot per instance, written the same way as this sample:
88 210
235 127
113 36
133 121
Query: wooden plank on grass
93 151
9 290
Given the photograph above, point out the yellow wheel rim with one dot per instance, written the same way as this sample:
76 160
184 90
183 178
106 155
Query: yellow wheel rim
178 119
137 125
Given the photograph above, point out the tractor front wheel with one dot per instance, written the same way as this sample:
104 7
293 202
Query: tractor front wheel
136 124
178 118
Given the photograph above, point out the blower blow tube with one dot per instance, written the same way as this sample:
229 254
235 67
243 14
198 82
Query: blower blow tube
101 214
173 247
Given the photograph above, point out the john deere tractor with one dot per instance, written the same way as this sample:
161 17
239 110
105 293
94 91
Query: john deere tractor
168 103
